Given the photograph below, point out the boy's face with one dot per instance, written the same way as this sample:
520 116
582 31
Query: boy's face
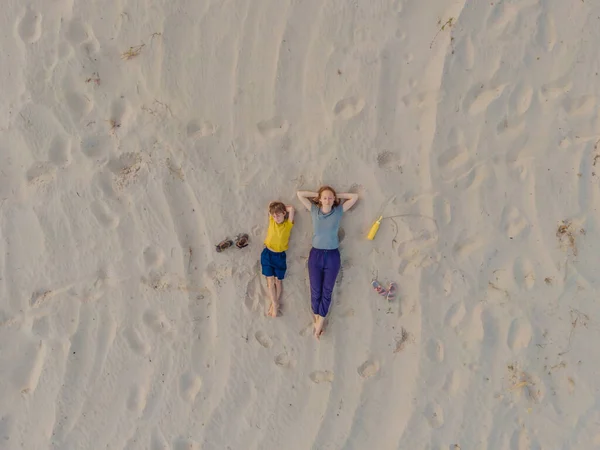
278 217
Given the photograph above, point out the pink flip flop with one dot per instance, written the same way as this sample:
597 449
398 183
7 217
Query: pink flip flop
379 288
391 292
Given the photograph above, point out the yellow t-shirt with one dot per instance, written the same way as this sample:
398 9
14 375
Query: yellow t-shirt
278 235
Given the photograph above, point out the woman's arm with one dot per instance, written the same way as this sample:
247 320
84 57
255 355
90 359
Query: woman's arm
350 200
291 211
304 196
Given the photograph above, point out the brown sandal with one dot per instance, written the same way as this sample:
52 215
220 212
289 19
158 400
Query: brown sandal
225 243
241 241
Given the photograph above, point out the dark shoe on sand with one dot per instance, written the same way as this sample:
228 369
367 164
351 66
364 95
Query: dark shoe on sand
241 241
225 243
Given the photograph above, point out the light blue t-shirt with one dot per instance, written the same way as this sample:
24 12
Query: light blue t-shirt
325 227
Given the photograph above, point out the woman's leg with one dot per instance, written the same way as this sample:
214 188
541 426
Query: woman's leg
315 275
331 269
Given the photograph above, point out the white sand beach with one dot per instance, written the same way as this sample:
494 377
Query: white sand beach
137 134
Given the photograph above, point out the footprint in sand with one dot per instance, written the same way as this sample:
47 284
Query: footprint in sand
520 440
501 15
119 114
524 273
442 210
348 107
556 88
368 369
465 52
455 314
520 100
519 334
434 415
30 26
513 222
77 32
196 129
40 327
307 330
467 246
453 158
482 98
452 383
448 283
127 168
186 444
420 100
157 322
95 290
273 127
136 341
389 161
284 360
158 441
40 174
189 386
435 350
474 330
7 426
510 126
59 152
18 346
321 376
263 339
104 215
584 105
153 257
546 32
348 313
97 147
138 395
254 291
79 104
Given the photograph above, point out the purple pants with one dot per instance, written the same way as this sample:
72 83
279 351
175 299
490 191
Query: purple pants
323 268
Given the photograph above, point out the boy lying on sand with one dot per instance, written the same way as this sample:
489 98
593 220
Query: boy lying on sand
273 258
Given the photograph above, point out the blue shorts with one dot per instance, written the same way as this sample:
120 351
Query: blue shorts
273 264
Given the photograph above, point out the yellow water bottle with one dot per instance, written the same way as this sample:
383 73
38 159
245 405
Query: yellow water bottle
374 228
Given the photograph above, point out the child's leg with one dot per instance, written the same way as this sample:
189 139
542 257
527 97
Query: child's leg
272 296
274 308
278 289
280 273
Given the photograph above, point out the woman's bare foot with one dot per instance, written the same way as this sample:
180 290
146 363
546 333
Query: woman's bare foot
273 309
319 326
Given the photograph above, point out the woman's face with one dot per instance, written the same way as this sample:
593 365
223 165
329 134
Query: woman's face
327 198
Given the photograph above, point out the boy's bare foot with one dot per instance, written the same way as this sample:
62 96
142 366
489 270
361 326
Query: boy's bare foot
319 326
273 309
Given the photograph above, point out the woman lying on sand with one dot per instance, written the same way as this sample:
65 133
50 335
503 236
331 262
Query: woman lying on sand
326 208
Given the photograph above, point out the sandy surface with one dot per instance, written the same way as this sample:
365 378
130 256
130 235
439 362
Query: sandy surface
135 135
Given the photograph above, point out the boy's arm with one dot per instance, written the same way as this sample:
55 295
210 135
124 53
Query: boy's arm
350 200
291 211
304 196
